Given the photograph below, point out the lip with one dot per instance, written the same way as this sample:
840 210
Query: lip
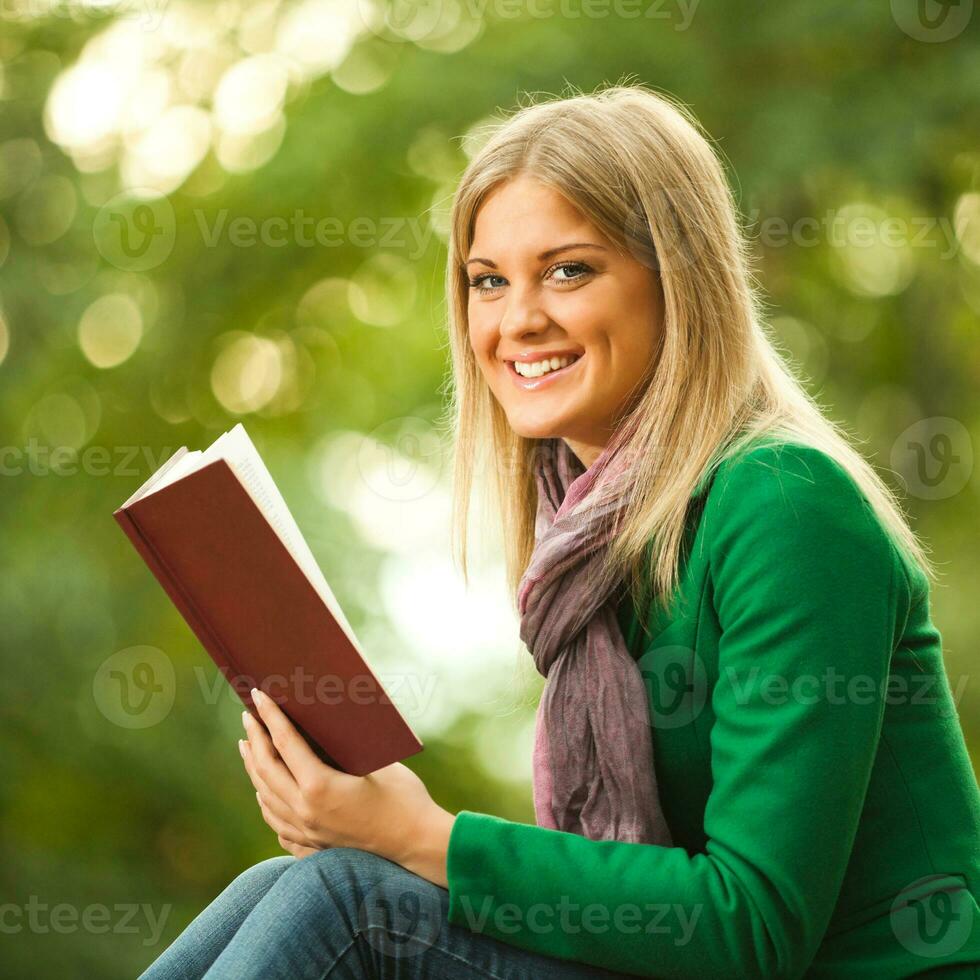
552 377
529 357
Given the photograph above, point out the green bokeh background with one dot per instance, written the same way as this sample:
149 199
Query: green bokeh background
334 356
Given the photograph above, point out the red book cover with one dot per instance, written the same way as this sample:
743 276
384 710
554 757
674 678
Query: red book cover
213 529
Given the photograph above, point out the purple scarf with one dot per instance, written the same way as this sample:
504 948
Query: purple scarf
593 752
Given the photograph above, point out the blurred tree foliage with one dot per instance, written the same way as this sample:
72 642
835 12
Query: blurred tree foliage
819 111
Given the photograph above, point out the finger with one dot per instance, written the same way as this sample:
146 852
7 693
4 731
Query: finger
274 802
283 828
247 749
297 850
273 770
302 762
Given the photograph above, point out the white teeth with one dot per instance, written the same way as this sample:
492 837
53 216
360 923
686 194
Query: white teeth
538 368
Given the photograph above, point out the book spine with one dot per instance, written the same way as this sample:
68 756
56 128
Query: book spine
186 607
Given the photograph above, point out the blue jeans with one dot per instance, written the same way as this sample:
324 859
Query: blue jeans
342 913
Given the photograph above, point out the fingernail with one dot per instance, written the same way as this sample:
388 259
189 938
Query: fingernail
241 748
245 718
256 694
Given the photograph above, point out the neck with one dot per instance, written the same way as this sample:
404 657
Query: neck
586 453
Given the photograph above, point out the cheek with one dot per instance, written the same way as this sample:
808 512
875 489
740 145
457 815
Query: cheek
482 334
639 344
632 350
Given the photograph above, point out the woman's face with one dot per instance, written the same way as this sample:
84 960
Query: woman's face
546 284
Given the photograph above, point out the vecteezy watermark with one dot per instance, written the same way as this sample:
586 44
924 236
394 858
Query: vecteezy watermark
401 915
665 919
837 688
934 457
150 13
419 20
659 237
933 916
932 21
303 230
42 460
302 686
676 685
135 230
40 918
401 459
847 227
679 13
135 687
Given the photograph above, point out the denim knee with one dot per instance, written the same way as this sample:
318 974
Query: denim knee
255 881
343 871
381 902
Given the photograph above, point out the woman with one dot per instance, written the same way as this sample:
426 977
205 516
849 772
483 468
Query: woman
750 783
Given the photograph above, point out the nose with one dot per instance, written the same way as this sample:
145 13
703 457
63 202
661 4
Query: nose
523 313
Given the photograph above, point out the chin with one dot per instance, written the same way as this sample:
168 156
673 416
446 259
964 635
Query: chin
530 429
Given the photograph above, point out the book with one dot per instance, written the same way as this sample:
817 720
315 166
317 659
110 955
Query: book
217 534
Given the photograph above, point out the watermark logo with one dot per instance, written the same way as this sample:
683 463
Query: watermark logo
149 13
135 687
412 691
135 230
932 21
676 685
40 918
667 920
933 916
401 459
411 235
41 460
834 687
935 457
405 20
855 226
402 916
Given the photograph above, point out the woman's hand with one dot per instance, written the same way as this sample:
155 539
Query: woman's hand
312 806
297 850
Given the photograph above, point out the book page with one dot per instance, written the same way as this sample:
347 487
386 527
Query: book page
187 464
195 460
165 468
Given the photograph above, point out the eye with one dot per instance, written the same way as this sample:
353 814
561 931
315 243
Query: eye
583 271
477 282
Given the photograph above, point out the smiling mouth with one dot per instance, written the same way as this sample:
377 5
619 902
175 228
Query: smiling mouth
534 381
532 370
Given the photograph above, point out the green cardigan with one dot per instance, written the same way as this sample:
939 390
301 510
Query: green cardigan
810 762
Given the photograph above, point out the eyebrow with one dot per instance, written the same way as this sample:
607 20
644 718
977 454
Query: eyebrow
544 255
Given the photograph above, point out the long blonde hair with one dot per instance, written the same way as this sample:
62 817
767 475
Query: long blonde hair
638 165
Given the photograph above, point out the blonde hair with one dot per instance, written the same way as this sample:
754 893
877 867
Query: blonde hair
638 165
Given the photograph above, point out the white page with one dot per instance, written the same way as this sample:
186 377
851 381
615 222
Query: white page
195 460
187 464
165 468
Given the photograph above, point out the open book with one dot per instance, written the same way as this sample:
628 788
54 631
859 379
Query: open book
215 531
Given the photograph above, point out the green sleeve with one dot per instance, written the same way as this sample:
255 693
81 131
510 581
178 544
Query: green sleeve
807 587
